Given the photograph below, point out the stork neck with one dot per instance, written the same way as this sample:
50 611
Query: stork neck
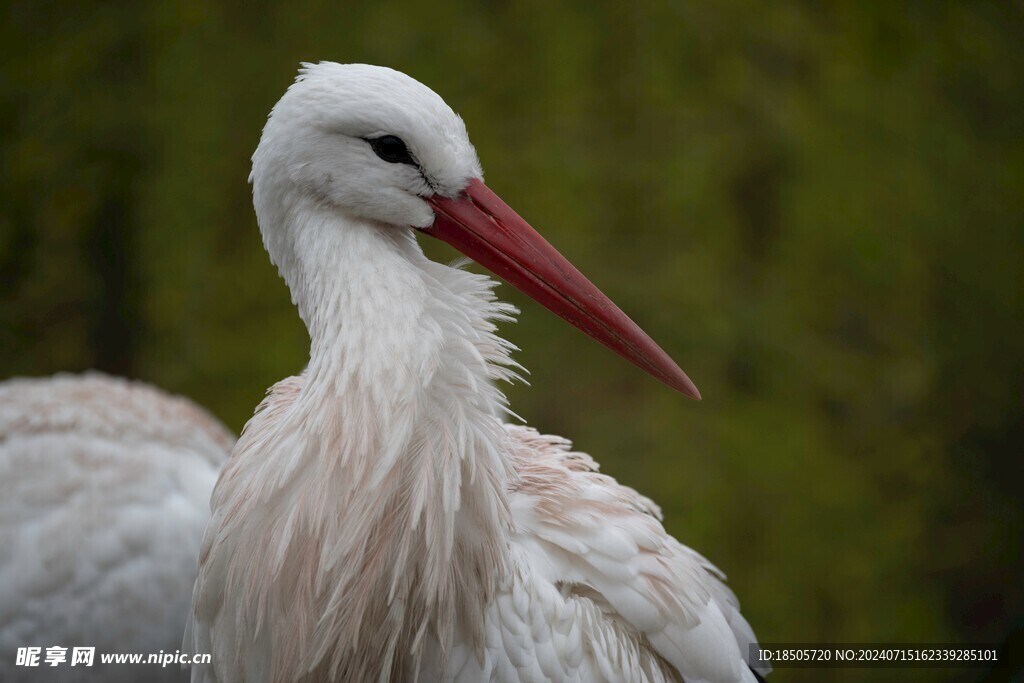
392 451
361 291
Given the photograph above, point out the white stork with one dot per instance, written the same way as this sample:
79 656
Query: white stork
376 520
106 487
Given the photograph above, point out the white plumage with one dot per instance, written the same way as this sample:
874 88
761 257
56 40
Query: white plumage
377 521
106 486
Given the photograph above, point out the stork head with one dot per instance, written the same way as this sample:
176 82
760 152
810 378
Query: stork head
374 144
369 140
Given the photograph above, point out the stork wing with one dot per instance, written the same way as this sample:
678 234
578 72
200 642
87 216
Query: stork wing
600 591
106 486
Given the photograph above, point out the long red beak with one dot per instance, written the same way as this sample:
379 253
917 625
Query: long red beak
484 228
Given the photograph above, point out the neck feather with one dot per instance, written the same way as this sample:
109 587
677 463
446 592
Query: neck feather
369 494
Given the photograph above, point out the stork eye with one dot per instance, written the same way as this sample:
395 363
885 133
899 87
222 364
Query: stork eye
392 150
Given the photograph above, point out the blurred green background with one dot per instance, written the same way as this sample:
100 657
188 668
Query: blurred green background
815 207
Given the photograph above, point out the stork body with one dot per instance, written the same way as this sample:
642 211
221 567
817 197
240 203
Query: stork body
105 497
377 521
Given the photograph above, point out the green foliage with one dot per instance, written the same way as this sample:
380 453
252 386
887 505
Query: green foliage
816 208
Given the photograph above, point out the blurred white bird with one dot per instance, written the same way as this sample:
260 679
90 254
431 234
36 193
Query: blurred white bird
376 520
106 488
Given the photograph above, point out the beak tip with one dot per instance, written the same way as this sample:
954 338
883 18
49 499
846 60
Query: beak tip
689 389
678 380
